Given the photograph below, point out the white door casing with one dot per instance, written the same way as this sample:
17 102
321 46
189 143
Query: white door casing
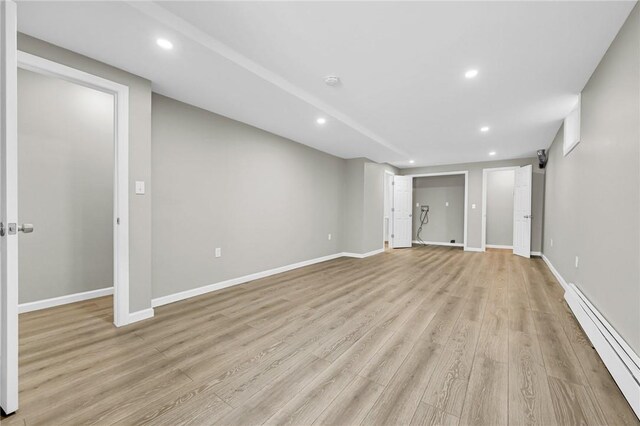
522 211
8 208
402 217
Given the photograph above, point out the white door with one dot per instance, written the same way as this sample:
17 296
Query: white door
522 212
8 209
402 221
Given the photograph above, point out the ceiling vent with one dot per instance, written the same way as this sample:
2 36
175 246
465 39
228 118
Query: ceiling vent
332 80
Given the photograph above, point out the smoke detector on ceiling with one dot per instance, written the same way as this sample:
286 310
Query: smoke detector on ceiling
332 80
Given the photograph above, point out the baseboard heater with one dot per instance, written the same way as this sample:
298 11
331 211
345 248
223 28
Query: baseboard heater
621 361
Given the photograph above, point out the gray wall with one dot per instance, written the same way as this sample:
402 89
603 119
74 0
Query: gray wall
264 200
363 220
500 185
446 223
65 183
139 159
474 217
592 198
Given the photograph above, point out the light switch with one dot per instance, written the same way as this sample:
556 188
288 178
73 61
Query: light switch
473 206
446 204
218 252
329 237
139 187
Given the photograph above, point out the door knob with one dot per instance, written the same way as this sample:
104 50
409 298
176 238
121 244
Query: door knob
27 228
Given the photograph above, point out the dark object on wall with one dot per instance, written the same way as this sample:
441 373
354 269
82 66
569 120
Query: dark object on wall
453 241
542 158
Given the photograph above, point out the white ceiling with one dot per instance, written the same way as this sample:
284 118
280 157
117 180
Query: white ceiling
403 93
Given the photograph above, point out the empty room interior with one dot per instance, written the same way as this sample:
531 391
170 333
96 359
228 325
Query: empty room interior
327 213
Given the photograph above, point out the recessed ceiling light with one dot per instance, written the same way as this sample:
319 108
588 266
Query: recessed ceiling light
484 129
492 153
164 43
321 120
411 161
332 80
471 73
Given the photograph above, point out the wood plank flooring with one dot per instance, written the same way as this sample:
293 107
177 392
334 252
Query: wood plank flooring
429 335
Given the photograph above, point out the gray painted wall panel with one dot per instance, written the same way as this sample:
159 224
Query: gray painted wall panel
500 185
446 223
65 185
264 200
592 197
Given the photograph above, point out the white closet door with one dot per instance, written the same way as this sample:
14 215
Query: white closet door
8 208
522 212
402 221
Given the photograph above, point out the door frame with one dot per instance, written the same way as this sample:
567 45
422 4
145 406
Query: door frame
485 173
466 195
120 94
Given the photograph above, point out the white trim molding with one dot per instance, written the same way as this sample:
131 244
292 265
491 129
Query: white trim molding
499 246
555 273
474 249
363 255
64 300
621 361
140 315
164 300
436 243
536 253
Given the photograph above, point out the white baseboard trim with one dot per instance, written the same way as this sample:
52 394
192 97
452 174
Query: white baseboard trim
536 253
164 300
362 256
555 273
436 243
621 361
498 246
475 249
64 300
140 315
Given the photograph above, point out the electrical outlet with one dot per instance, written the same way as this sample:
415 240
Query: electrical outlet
577 259
473 206
418 205
218 252
551 242
446 204
329 237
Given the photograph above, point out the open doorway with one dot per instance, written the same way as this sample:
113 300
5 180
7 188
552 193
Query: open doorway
72 186
498 207
388 205
65 187
438 210
415 201
506 209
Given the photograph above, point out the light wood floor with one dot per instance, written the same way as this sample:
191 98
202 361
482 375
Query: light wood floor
423 336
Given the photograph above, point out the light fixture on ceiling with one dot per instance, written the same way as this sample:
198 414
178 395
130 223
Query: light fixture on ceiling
321 120
471 73
332 80
411 161
164 43
484 129
492 153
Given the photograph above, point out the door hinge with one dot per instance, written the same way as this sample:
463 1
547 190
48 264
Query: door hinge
393 183
392 209
392 235
117 221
